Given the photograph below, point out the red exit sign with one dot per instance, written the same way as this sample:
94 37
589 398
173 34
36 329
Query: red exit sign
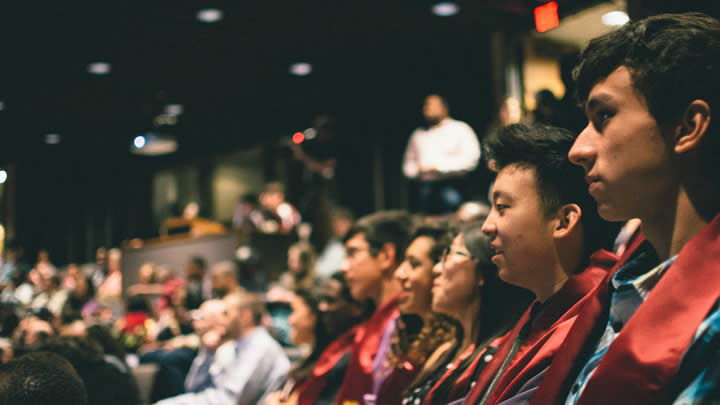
546 16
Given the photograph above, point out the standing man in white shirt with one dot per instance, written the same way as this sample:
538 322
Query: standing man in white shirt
438 156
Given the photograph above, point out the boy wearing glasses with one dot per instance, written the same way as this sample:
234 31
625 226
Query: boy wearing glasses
374 247
546 237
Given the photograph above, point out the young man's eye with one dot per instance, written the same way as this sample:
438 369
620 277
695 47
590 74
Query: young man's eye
500 207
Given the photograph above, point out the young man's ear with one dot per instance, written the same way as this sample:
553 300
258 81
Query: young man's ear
567 219
388 256
693 125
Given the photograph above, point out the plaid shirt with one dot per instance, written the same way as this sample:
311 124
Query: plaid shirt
698 378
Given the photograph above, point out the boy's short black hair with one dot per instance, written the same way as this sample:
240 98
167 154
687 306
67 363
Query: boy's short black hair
544 149
672 61
383 227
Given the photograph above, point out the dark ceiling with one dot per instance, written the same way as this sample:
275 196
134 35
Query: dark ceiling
231 76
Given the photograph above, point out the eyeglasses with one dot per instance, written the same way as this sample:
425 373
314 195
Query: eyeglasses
450 251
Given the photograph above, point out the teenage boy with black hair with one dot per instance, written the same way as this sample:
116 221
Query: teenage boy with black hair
547 238
374 246
649 334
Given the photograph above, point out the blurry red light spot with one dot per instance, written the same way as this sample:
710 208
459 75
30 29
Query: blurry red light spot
546 16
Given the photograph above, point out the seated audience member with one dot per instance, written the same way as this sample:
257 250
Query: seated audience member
41 379
467 288
418 339
649 151
545 234
224 279
332 255
306 331
173 319
71 273
249 366
301 268
50 295
281 216
195 282
208 327
318 378
146 281
32 330
112 284
132 325
82 293
374 248
104 382
184 361
247 216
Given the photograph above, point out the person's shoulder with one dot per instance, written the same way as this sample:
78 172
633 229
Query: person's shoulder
452 122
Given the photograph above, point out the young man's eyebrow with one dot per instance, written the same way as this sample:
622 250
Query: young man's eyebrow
597 99
500 193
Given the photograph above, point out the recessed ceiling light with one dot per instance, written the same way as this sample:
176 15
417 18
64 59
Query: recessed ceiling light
445 9
615 18
99 68
3 176
301 69
210 15
52 139
139 141
155 144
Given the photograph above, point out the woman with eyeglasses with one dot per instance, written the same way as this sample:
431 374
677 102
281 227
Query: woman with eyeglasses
466 288
419 336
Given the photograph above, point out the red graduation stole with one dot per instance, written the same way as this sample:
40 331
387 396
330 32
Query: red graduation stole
462 384
640 365
358 379
545 337
309 390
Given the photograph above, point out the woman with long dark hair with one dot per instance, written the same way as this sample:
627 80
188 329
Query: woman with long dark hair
466 287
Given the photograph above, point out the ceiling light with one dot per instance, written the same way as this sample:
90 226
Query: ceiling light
173 109
445 9
3 176
155 144
99 68
615 18
52 139
139 141
301 69
210 15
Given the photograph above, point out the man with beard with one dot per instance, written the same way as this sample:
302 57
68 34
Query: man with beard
438 156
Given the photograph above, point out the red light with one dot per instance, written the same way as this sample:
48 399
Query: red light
298 137
546 16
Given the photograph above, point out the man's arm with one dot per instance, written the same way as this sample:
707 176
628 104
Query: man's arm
411 165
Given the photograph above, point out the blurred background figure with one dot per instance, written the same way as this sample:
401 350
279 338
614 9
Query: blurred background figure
471 212
247 215
438 156
280 215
